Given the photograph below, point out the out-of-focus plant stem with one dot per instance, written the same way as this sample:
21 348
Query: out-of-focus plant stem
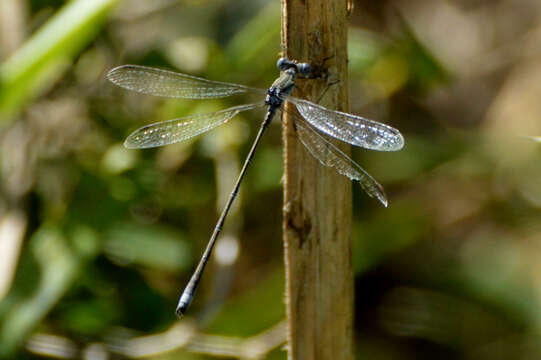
43 57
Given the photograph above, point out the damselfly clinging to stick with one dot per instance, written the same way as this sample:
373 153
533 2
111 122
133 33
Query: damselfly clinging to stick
313 127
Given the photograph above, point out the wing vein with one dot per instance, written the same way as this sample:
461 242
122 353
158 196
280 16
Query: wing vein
165 83
352 129
175 130
329 155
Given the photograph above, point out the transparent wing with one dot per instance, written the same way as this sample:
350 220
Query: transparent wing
172 131
165 83
349 128
330 155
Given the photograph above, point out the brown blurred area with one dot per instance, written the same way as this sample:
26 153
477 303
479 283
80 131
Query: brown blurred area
468 287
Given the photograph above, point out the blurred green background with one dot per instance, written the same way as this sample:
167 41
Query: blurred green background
97 241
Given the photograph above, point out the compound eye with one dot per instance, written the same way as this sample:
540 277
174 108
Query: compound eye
303 69
282 64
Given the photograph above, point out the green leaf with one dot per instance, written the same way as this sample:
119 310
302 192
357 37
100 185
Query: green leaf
44 57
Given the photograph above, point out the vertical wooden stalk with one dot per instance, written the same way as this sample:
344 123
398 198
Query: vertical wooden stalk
317 201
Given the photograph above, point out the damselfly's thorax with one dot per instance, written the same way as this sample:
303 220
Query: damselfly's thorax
284 85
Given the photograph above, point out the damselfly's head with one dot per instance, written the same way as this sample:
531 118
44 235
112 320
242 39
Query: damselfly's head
284 64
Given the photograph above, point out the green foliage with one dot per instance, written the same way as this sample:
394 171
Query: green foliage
45 56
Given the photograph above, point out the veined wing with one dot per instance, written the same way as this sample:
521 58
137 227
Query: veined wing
172 131
330 155
171 84
354 130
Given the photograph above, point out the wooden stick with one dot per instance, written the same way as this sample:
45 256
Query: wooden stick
317 201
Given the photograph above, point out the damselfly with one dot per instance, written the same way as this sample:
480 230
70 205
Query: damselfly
312 127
